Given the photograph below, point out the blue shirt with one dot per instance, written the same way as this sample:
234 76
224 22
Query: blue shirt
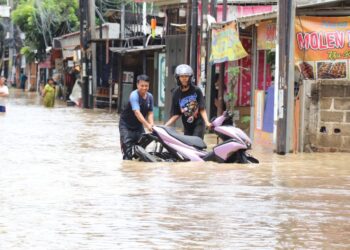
136 102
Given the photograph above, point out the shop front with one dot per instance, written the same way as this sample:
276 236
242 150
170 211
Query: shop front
248 80
322 54
133 62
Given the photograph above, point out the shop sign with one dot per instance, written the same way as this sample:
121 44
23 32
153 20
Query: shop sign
226 45
266 36
322 47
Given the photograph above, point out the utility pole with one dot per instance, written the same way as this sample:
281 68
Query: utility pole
210 90
84 38
285 81
122 21
88 52
92 54
144 18
204 41
188 32
144 31
100 51
194 37
222 68
254 80
12 48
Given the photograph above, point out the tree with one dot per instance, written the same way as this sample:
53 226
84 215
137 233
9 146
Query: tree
43 20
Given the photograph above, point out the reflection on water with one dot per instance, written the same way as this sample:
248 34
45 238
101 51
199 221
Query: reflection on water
63 185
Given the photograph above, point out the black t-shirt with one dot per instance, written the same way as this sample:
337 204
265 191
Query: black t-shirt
187 104
128 117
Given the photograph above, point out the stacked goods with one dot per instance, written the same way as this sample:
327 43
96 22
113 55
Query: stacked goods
331 70
307 70
323 69
338 70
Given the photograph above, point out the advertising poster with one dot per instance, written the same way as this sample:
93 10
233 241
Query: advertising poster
322 47
267 35
226 45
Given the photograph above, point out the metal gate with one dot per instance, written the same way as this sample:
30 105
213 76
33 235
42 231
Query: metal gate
175 55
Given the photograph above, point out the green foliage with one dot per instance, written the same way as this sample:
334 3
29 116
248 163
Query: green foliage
43 20
28 53
23 17
230 97
245 119
271 58
233 72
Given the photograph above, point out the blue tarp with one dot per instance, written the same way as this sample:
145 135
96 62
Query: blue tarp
268 112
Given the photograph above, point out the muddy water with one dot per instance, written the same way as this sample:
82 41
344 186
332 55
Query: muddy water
63 185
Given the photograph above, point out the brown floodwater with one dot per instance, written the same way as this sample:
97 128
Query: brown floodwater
63 185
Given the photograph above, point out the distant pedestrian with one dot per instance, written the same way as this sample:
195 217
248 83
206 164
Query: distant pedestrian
4 92
49 93
23 79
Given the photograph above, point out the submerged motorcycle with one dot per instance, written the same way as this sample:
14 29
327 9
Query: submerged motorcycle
168 145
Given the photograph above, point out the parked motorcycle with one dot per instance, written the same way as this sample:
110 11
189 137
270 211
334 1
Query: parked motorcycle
169 145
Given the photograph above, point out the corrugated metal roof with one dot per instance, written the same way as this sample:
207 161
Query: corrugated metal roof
307 3
300 3
273 14
249 1
123 50
170 2
258 17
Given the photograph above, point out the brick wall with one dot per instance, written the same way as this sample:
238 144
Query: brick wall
328 125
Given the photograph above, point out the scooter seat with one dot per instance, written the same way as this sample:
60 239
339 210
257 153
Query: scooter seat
193 141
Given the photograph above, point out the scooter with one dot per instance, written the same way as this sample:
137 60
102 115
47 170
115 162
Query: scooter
171 146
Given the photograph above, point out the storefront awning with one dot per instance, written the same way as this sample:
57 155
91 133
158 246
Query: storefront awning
258 17
123 50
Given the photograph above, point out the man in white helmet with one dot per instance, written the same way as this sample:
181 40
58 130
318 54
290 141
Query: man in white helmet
188 102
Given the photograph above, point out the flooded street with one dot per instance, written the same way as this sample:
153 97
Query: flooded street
63 185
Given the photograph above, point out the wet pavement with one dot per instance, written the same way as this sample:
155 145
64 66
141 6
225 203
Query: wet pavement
63 185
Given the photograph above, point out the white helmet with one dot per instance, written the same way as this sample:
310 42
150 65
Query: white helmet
183 69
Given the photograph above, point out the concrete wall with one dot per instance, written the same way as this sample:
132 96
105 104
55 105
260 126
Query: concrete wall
327 116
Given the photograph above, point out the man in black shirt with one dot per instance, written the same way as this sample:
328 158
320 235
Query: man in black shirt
135 116
188 102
